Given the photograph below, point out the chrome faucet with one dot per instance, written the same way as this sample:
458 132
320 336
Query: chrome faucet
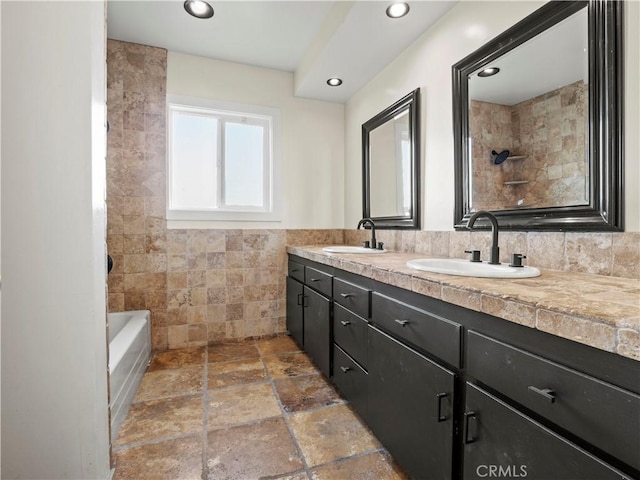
362 223
495 250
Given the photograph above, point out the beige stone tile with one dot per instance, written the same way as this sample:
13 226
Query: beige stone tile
577 329
513 311
546 250
178 459
261 450
426 287
626 255
305 392
589 252
276 345
373 466
178 358
289 365
170 382
463 298
225 352
241 404
628 343
327 434
224 374
156 419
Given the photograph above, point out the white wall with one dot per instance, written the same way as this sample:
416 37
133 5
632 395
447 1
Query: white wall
427 64
54 381
312 135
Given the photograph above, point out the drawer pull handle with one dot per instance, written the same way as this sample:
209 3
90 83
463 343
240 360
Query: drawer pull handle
547 393
402 322
346 295
440 396
470 427
314 279
345 322
300 299
294 270
345 369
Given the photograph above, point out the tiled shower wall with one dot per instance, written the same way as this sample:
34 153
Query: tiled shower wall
200 285
207 285
550 131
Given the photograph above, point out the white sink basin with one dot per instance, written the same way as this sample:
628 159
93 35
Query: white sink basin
465 268
351 249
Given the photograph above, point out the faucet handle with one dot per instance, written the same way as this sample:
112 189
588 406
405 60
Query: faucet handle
366 244
516 260
475 255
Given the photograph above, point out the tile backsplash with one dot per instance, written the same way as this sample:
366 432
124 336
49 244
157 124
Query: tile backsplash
614 254
207 285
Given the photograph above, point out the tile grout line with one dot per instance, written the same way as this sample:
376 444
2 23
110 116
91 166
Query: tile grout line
285 418
205 413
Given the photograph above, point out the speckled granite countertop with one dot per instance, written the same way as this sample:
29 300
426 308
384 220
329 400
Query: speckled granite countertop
596 310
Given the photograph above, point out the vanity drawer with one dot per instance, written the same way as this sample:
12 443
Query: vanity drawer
435 335
351 380
318 280
353 297
602 414
350 332
296 270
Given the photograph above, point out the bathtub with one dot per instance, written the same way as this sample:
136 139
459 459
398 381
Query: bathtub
129 353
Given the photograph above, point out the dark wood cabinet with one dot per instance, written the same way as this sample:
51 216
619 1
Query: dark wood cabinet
309 312
411 401
317 329
501 440
456 394
295 319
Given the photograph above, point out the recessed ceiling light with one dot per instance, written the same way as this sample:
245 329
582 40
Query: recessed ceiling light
487 72
397 9
334 82
198 8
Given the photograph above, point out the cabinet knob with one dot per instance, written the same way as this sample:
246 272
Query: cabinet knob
345 369
345 323
401 322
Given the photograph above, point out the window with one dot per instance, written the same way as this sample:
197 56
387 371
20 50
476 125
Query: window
222 161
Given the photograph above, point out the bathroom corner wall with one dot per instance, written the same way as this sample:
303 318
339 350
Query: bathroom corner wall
136 227
201 285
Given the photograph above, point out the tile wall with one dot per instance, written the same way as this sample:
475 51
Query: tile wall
613 254
200 285
207 285
549 131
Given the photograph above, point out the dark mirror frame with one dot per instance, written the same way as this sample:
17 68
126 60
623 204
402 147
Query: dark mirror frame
410 102
606 136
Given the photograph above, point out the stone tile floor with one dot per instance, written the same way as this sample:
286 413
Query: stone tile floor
257 409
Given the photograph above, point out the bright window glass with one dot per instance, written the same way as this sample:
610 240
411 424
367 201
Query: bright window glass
222 162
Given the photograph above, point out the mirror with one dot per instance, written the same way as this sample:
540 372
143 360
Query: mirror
538 121
390 165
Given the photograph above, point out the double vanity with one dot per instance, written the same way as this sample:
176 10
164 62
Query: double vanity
454 375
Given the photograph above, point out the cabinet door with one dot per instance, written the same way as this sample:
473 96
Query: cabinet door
295 323
351 380
501 441
317 329
411 407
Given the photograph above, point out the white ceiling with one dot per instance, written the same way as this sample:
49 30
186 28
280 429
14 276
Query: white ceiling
553 59
353 40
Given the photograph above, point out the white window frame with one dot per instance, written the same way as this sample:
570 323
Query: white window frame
250 114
